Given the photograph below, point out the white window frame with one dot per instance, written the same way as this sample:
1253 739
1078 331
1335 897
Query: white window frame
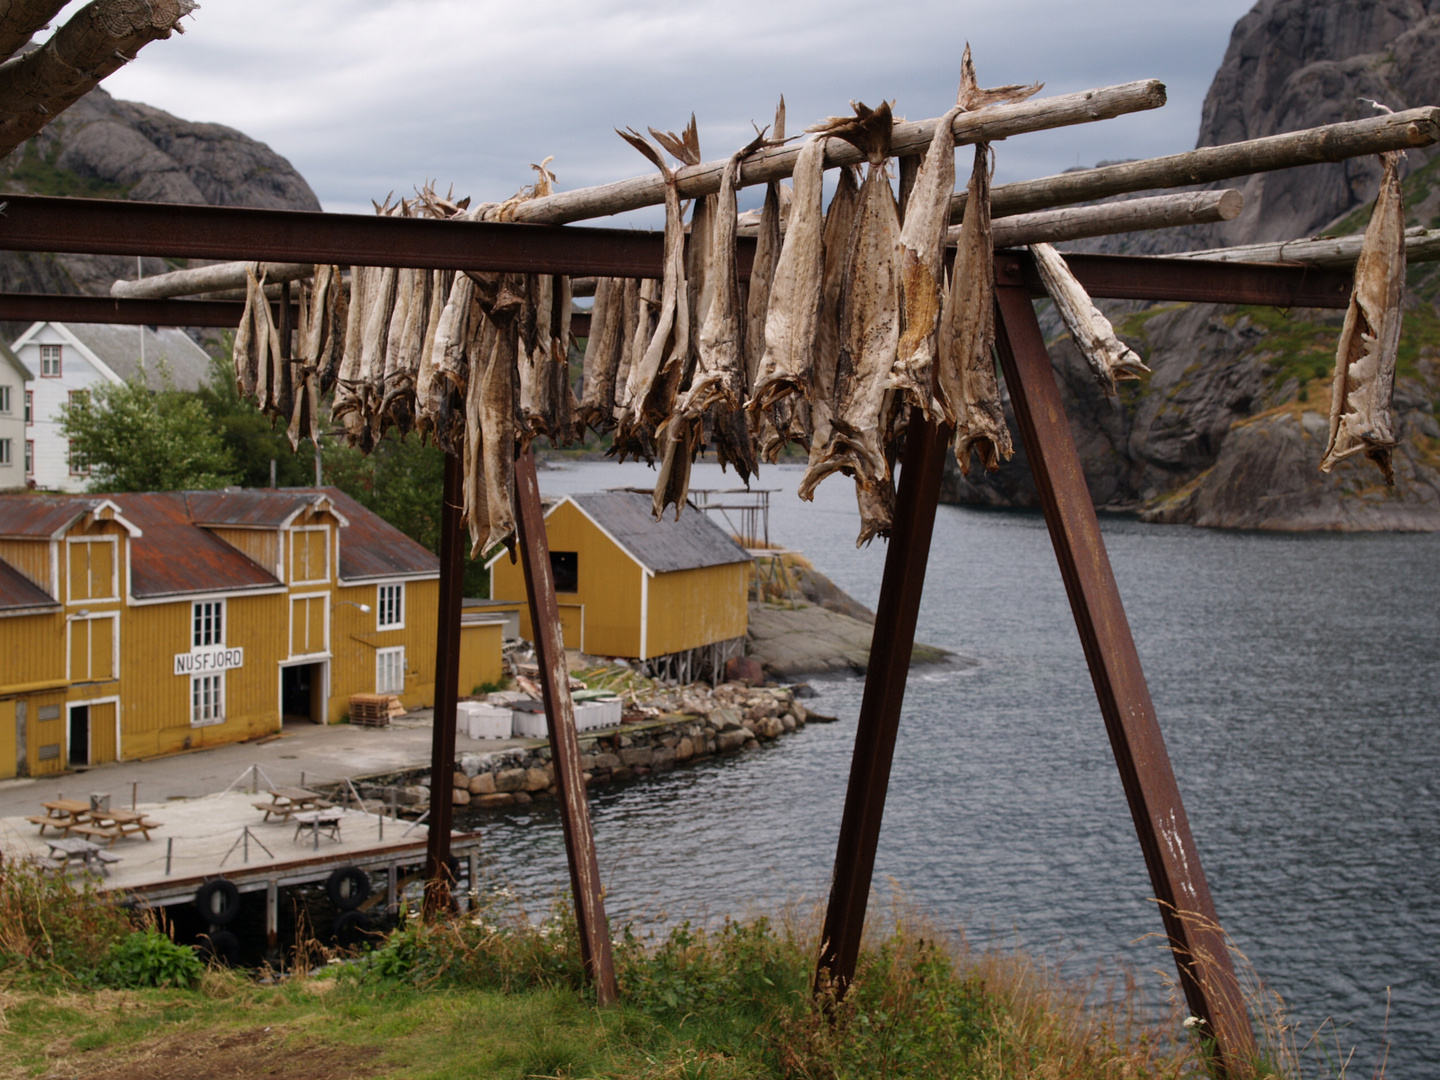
29 408
6 401
46 356
29 457
396 609
387 659
114 593
207 699
198 612
325 578
7 452
76 462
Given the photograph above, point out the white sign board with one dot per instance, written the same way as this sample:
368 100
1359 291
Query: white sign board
205 661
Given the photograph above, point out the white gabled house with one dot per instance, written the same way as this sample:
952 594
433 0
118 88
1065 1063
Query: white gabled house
66 360
14 387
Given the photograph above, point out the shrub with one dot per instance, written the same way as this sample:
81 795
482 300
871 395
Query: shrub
50 926
149 958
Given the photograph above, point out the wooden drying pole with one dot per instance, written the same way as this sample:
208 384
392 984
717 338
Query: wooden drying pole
1313 146
1332 252
204 279
1131 215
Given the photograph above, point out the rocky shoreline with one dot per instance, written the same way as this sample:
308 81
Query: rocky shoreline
700 723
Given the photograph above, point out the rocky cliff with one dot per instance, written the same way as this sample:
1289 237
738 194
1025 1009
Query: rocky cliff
101 147
1229 429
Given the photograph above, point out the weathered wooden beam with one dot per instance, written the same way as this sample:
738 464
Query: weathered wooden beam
1331 252
778 162
1313 146
205 279
1077 222
98 39
21 19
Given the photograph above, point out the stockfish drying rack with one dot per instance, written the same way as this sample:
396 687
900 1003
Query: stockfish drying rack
539 239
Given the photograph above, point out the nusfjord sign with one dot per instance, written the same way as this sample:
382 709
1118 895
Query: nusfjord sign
204 661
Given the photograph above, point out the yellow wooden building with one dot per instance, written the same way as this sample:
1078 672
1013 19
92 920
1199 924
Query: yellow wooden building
142 624
634 587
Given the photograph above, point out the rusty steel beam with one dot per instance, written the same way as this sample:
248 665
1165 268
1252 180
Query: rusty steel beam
923 466
1140 277
564 745
37 307
439 873
1176 876
115 227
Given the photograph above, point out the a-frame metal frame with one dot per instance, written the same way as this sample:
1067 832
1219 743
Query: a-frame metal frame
96 226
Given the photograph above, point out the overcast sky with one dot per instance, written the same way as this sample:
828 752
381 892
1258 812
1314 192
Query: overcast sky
369 96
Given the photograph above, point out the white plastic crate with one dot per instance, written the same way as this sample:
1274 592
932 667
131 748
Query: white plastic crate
529 725
481 721
590 715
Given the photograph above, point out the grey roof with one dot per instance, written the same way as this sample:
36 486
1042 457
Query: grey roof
662 546
119 347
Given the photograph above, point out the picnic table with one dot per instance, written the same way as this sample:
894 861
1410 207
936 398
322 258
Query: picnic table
326 821
110 825
64 850
288 801
62 815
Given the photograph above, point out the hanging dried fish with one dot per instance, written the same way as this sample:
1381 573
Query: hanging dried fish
792 319
969 389
1364 383
475 498
499 433
700 289
762 269
603 349
1110 359
839 220
922 268
346 410
535 356
403 346
330 300
869 328
654 379
430 385
243 352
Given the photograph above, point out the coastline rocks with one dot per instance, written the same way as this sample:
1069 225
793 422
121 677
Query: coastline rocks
813 639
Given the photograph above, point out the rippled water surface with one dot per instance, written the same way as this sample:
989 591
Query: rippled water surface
1296 679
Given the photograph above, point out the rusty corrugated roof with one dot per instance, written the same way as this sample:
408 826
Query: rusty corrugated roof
264 508
370 547
175 556
39 517
665 545
18 592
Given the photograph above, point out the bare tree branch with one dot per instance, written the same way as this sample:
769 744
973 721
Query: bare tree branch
100 38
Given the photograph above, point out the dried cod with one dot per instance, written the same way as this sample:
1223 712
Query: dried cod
869 330
969 388
838 221
603 348
1364 383
762 268
1110 359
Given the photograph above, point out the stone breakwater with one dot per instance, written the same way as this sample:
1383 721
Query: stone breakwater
701 723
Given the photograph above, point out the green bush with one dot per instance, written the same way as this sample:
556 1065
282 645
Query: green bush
149 958
53 928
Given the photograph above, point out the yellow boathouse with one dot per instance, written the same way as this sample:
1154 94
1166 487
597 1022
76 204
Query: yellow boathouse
140 624
634 587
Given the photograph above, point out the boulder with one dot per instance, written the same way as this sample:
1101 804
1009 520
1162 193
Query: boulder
606 761
460 797
664 758
744 669
733 739
685 749
538 779
482 784
496 798
725 719
510 780
637 755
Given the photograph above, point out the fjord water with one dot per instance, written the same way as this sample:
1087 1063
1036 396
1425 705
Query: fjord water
1297 681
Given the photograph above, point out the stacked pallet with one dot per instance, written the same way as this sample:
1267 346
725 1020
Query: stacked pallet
374 710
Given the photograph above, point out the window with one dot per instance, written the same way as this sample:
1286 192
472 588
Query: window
390 607
207 700
208 620
565 566
49 361
7 453
29 457
5 405
390 670
79 466
79 399
29 407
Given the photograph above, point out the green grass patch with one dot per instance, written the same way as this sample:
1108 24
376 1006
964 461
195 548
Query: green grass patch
38 173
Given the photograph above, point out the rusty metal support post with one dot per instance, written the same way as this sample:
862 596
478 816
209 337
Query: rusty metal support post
922 468
439 873
564 745
1196 939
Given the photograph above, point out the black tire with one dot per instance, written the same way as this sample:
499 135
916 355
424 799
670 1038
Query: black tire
218 901
351 929
348 888
221 947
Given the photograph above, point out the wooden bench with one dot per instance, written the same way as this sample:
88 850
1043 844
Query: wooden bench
325 821
53 822
143 827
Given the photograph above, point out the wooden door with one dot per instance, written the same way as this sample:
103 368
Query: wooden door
102 734
572 625
9 741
